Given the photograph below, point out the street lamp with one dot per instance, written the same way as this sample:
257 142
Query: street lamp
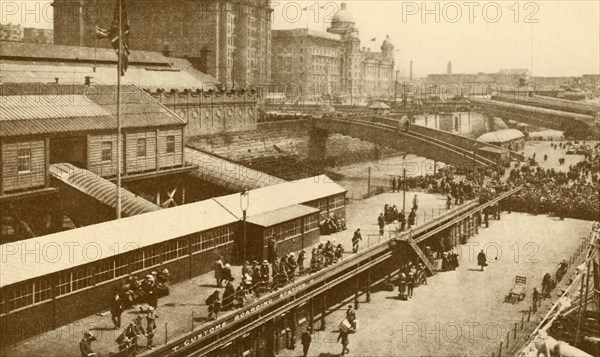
244 204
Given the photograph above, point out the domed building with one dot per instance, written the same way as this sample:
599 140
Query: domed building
332 63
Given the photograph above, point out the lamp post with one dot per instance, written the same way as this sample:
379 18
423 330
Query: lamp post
244 204
404 184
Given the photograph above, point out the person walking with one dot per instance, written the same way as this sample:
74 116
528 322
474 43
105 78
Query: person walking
356 240
300 262
343 337
481 260
116 309
219 271
381 223
306 340
150 327
535 297
415 203
410 283
351 316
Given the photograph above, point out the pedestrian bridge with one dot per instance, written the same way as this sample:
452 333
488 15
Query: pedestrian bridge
398 134
537 116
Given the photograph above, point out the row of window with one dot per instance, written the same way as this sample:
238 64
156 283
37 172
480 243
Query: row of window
29 293
141 148
284 230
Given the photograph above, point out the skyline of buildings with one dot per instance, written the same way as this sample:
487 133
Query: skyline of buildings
333 62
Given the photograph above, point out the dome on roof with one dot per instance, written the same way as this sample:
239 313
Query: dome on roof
387 42
343 15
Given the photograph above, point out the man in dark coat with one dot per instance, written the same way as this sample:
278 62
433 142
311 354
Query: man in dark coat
214 304
381 223
343 337
356 240
228 295
300 262
116 309
481 259
306 340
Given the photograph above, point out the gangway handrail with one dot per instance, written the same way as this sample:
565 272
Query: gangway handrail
312 281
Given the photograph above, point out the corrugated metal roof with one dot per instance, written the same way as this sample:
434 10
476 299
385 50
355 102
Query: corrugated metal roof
47 109
71 53
286 194
501 136
145 77
271 218
109 239
227 174
29 107
101 189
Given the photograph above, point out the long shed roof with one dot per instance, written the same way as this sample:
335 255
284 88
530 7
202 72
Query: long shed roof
85 245
49 109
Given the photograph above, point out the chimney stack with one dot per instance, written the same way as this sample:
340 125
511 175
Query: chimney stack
88 80
56 80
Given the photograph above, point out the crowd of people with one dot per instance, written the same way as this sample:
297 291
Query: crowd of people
260 278
572 194
333 224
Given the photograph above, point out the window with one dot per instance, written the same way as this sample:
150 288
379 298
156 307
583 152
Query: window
171 144
24 161
43 290
141 147
107 151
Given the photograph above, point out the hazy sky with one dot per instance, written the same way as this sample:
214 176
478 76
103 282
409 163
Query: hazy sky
560 38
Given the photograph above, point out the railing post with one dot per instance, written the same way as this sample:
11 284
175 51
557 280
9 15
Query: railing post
166 333
192 320
515 332
500 350
368 292
507 338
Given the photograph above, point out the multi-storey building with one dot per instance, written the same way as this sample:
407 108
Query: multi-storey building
10 32
228 39
331 62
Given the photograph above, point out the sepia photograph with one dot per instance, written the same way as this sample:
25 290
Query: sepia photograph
299 178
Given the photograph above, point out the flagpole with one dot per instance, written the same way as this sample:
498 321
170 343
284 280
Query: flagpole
119 71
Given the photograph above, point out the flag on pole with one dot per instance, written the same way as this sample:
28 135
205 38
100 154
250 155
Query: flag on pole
113 35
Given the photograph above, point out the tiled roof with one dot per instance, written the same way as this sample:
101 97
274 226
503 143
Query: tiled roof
48 109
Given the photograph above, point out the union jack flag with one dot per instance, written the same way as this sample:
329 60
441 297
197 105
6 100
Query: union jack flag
113 34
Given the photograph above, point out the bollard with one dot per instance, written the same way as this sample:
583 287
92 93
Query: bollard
166 332
515 332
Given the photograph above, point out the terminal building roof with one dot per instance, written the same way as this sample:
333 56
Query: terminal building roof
27 63
39 109
111 238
